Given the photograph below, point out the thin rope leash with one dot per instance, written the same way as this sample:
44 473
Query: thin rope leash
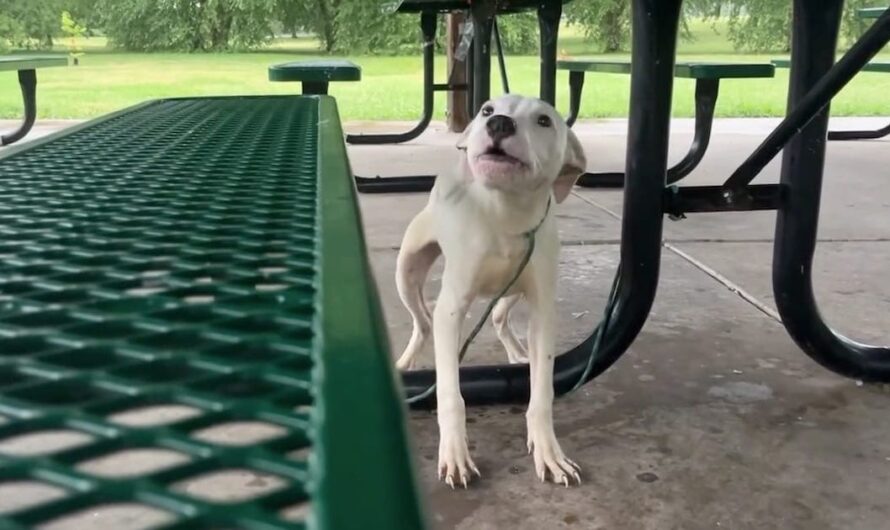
530 236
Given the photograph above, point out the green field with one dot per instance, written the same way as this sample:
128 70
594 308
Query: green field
107 80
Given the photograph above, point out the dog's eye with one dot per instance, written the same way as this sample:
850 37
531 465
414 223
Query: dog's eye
487 110
544 120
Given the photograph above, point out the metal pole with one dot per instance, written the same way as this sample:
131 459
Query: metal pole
813 47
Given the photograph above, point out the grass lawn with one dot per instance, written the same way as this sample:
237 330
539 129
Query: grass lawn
390 90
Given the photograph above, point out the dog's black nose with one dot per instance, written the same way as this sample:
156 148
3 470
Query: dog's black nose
500 127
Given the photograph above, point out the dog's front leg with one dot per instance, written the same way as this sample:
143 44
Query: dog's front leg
451 309
548 455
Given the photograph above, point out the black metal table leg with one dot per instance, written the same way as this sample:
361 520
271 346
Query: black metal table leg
706 92
428 22
28 83
502 65
549 14
471 69
813 47
655 24
576 88
482 14
315 87
859 135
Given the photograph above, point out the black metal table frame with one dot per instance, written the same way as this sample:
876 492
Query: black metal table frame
815 80
28 83
859 135
482 15
706 92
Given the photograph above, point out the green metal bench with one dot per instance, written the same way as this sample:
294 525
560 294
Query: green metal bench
315 76
707 83
871 12
27 66
873 66
202 253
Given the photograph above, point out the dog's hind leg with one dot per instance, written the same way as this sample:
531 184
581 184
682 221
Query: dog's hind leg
500 317
418 253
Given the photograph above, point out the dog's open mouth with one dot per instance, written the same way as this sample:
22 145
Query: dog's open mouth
497 154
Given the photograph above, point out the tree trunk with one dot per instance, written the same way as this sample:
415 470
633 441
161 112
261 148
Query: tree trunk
327 24
456 113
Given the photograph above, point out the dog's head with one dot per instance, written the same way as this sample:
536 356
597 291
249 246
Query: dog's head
518 144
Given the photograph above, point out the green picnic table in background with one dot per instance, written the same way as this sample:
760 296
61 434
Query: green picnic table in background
27 66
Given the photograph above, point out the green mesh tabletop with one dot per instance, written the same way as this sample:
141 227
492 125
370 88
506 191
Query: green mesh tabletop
181 270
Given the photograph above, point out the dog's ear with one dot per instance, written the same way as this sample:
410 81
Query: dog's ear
574 164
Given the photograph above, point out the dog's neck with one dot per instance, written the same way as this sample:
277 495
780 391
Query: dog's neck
519 211
516 211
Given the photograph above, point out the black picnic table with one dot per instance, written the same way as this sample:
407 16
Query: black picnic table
27 66
801 136
478 63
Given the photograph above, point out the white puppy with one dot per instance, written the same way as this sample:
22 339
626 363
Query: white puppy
518 157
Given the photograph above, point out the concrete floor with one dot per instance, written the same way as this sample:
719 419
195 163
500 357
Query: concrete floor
713 418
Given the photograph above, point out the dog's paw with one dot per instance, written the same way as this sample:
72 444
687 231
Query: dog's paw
455 465
550 461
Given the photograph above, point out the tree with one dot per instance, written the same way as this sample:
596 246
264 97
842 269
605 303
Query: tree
293 15
31 24
765 25
760 25
190 25
606 22
74 31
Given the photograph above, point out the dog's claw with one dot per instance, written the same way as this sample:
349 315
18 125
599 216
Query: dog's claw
549 459
455 462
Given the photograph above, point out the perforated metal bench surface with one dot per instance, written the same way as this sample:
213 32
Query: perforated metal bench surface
207 255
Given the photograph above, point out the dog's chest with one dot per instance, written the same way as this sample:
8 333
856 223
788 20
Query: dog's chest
499 264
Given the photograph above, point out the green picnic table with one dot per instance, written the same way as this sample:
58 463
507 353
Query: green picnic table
27 70
872 66
204 253
707 76
871 12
